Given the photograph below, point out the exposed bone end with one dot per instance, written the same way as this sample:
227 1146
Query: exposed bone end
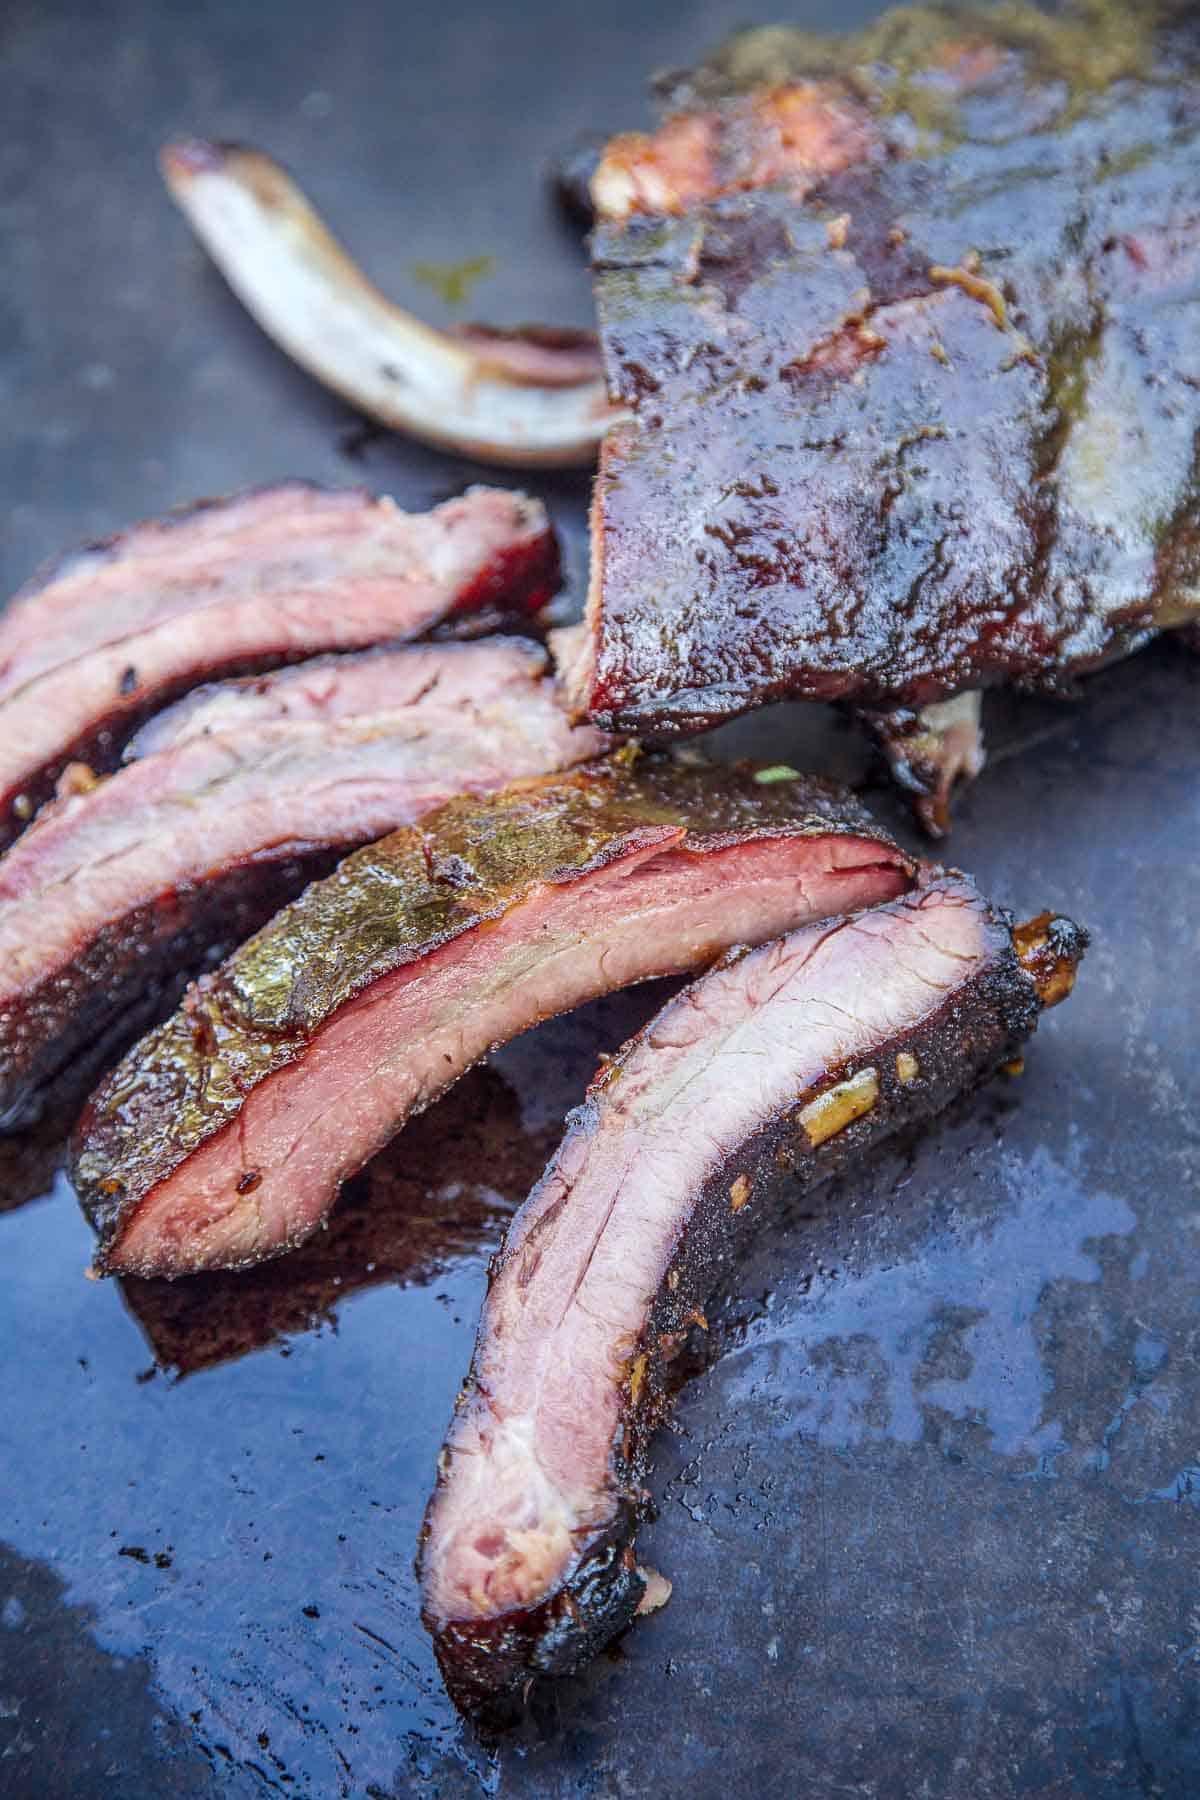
573 649
931 751
576 649
180 160
1051 949
186 162
535 397
658 1591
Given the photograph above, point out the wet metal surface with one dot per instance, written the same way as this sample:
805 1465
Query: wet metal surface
933 1515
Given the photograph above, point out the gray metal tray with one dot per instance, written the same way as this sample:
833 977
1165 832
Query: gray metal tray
933 1516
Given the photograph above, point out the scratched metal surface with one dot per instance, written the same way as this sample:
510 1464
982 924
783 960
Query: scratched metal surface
933 1516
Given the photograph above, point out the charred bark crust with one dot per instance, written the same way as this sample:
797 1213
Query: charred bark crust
824 356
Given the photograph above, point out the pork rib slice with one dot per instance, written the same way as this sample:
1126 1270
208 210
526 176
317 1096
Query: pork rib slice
223 1137
94 645
762 1078
878 396
319 690
116 891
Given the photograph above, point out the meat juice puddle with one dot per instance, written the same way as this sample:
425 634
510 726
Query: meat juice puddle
243 1518
248 1528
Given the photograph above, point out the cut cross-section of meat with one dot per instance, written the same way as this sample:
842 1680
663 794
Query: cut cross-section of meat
95 645
224 1135
760 1079
330 687
878 397
119 888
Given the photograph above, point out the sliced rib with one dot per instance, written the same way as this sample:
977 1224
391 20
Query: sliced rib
224 1136
760 1079
116 891
94 645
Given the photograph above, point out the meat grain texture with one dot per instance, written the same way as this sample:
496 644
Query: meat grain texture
234 799
223 1137
766 1076
99 641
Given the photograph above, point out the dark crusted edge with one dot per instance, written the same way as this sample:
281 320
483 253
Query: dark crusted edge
134 969
516 583
488 1666
826 810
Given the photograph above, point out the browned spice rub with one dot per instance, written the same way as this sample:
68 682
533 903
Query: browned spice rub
223 1137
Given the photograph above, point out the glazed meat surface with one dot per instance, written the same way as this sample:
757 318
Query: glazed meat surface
224 1135
910 345
767 1074
94 645
239 795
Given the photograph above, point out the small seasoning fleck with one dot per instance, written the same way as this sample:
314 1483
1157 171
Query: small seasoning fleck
76 778
636 1378
739 1193
839 1106
907 1067
977 286
673 1279
1015 1067
776 772
454 283
23 807
837 230
129 680
248 1180
311 1612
